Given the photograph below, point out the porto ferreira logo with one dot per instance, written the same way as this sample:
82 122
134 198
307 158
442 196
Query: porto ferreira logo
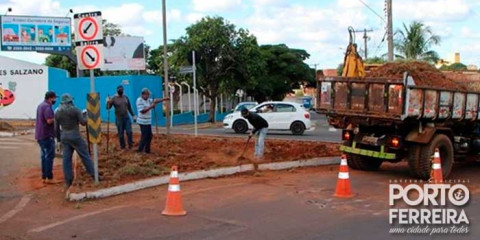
94 120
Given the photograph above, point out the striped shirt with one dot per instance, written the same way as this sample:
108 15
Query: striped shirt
144 118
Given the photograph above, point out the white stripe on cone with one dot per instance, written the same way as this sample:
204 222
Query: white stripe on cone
436 166
437 154
343 162
174 174
174 188
343 175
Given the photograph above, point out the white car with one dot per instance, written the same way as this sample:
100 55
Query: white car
287 116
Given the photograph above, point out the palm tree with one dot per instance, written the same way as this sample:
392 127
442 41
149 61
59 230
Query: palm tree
415 41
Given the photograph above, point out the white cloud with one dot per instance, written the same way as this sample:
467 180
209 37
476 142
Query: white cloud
156 16
320 31
34 7
194 17
215 5
432 10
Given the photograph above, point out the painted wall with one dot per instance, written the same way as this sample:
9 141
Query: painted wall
26 82
105 86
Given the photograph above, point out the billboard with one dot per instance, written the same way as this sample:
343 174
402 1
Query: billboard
123 53
25 33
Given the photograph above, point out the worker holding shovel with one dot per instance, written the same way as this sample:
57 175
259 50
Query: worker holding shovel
260 129
144 105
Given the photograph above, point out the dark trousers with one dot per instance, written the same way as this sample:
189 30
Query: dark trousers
124 125
73 141
146 139
47 153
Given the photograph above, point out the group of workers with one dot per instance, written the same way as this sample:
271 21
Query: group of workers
63 124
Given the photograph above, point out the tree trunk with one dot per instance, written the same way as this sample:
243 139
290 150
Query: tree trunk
211 116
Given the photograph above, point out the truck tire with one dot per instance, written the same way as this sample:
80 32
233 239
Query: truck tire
413 160
363 163
422 165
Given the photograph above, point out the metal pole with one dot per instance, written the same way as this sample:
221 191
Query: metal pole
365 38
189 97
95 146
181 97
221 103
171 104
389 30
195 93
215 110
165 64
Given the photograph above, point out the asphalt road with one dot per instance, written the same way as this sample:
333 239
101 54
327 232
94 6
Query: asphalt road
322 131
294 204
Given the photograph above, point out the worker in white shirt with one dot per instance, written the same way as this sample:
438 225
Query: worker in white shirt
144 106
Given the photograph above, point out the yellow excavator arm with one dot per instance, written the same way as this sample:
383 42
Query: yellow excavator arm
352 63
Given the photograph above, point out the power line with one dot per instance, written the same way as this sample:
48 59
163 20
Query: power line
371 9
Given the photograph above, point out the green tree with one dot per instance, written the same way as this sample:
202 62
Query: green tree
454 67
415 42
227 58
63 62
285 71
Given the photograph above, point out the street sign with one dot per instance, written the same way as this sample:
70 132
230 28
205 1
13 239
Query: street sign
88 26
89 40
186 69
90 56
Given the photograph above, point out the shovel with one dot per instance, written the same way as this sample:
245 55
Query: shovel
244 149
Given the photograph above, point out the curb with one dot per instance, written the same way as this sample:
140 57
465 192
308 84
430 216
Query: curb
4 134
219 172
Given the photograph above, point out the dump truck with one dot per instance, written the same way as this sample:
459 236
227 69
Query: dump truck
393 119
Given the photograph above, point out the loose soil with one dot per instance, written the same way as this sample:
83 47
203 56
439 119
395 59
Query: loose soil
189 154
422 73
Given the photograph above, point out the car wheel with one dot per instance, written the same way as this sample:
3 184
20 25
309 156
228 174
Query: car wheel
297 128
240 126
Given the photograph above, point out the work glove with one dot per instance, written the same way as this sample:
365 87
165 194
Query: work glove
134 118
84 112
108 99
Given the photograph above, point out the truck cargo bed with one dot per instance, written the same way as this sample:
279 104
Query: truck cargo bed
391 99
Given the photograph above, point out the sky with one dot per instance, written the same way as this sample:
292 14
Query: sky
320 27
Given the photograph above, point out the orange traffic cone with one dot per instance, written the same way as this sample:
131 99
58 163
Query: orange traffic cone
436 174
343 189
174 206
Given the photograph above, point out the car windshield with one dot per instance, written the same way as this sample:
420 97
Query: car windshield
246 105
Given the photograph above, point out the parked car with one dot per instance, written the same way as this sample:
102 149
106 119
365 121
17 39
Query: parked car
284 116
247 105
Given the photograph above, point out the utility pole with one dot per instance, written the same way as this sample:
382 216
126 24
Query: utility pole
389 29
165 67
365 39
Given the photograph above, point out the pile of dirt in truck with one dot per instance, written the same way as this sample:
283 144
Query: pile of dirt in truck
422 73
192 153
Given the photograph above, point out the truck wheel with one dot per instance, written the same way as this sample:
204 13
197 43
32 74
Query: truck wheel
240 126
363 163
413 160
423 165
297 128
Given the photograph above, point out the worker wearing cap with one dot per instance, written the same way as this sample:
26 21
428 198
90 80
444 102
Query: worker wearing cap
122 107
67 119
144 106
45 133
260 129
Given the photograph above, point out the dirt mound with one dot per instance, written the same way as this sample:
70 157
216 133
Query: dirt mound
422 73
192 153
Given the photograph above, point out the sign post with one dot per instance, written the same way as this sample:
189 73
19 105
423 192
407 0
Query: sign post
89 42
195 93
